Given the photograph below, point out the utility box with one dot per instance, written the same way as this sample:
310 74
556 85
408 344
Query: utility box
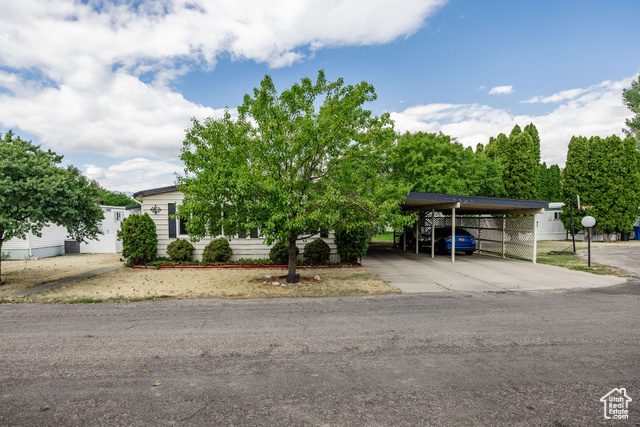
71 247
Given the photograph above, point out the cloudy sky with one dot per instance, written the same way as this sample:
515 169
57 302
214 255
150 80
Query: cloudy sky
112 84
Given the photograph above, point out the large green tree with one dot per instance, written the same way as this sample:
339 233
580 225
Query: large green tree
519 156
605 173
577 181
35 191
550 183
616 183
434 163
291 164
520 167
110 198
631 97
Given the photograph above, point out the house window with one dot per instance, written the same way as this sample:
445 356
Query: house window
556 215
182 227
118 216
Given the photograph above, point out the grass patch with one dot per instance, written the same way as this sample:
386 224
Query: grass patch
576 262
132 285
384 237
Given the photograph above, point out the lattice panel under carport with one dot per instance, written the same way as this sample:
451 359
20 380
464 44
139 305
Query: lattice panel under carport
502 235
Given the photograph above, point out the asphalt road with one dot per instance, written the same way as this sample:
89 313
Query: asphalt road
625 258
537 358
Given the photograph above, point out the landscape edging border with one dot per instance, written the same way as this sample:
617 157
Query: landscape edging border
246 266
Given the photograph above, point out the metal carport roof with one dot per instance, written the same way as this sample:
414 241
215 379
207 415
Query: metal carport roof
472 205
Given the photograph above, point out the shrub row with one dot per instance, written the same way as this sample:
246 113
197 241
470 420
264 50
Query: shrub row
140 242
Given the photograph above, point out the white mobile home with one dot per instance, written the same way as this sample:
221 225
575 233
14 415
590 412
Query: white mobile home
549 225
161 203
107 242
51 243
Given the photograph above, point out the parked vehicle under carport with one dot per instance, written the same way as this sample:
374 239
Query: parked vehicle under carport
465 241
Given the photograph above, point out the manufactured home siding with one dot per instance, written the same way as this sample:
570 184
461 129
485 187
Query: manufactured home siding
50 244
549 225
243 248
107 242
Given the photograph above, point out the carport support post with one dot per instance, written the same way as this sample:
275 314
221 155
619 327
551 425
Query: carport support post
417 232
504 228
453 235
535 237
433 233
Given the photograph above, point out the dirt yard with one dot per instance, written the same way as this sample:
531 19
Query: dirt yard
19 275
134 284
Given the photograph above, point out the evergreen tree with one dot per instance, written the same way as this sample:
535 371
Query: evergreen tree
533 132
519 167
631 98
616 183
606 175
515 131
577 180
550 185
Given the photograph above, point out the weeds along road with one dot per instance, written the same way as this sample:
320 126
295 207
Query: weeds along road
464 359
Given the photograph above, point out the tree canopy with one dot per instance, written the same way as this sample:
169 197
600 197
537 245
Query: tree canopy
631 97
291 164
434 163
550 183
519 155
110 198
35 191
605 173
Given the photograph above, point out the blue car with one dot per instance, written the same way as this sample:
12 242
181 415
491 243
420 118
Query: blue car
465 241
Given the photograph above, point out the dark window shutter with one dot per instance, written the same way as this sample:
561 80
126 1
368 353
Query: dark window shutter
172 221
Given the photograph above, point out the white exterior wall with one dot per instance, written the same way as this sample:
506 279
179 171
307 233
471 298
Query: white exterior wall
549 226
51 243
243 248
108 243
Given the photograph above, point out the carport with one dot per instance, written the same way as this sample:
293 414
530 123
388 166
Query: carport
504 227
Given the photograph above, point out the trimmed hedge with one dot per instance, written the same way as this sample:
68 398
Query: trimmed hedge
352 244
279 253
218 250
139 239
317 252
180 250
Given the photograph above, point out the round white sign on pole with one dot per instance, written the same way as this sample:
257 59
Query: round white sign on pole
588 221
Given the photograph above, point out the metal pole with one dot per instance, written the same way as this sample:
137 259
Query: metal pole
433 233
535 237
504 222
589 245
573 230
417 232
453 235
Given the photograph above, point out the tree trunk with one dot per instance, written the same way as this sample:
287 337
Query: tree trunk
292 277
1 242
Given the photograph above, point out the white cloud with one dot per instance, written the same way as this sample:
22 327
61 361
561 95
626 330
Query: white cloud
71 72
501 90
134 174
597 111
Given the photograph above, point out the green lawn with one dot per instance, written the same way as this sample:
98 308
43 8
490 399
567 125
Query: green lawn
575 262
384 237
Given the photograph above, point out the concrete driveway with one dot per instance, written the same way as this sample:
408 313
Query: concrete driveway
476 273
